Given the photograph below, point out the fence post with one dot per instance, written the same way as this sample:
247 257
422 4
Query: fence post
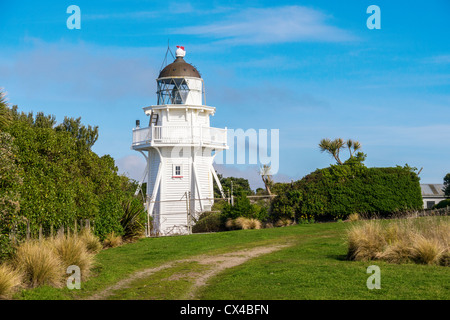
61 231
28 230
40 232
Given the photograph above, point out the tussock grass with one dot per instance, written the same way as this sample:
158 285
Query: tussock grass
71 250
242 223
39 263
420 240
112 240
284 222
91 241
353 217
365 241
10 279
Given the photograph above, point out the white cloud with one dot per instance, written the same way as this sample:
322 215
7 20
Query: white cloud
440 59
132 166
70 71
271 25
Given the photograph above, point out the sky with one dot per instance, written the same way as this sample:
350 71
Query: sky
310 69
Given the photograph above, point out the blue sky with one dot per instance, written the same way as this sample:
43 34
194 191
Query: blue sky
311 69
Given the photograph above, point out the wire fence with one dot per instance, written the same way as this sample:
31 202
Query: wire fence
191 211
26 230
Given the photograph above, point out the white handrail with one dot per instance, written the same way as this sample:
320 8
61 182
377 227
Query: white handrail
179 134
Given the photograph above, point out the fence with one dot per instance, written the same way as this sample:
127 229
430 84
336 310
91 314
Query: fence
27 231
192 215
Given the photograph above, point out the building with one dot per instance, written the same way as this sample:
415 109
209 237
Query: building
179 146
432 194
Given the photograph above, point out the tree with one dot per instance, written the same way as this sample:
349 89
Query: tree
447 185
239 185
266 176
334 147
10 183
5 115
63 179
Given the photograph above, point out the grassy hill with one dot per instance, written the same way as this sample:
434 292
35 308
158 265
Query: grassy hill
290 263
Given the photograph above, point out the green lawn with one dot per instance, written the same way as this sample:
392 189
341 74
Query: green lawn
313 267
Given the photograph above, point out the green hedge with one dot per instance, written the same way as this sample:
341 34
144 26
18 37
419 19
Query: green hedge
442 204
53 178
337 191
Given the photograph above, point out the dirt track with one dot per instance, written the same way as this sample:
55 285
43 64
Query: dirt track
216 264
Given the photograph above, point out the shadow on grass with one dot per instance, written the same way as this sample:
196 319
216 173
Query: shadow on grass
340 257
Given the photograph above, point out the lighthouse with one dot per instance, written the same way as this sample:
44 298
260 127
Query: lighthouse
179 146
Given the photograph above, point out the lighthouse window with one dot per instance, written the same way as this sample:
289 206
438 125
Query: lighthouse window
177 171
172 91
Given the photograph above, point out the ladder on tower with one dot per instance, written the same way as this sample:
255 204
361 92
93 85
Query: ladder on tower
153 119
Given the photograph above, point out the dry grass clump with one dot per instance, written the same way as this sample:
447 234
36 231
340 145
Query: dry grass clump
284 222
91 241
426 250
419 240
247 223
242 223
112 240
365 241
38 263
72 250
10 279
353 217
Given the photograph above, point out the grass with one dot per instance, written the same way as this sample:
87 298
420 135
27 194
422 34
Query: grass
10 279
72 250
163 285
422 240
38 263
112 240
91 241
314 267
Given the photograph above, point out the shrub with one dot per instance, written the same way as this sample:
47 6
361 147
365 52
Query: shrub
246 223
336 192
242 223
442 204
353 217
10 279
112 240
50 175
133 218
38 263
365 241
108 219
426 250
91 241
72 250
208 222
243 208
420 240
6 247
283 222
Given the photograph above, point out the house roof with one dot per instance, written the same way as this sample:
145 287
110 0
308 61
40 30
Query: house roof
432 190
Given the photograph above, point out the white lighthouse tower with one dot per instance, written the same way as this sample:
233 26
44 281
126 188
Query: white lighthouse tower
179 146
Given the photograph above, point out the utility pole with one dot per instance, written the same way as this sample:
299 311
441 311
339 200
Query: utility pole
232 198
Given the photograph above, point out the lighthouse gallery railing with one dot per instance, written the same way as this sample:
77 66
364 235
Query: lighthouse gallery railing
180 134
